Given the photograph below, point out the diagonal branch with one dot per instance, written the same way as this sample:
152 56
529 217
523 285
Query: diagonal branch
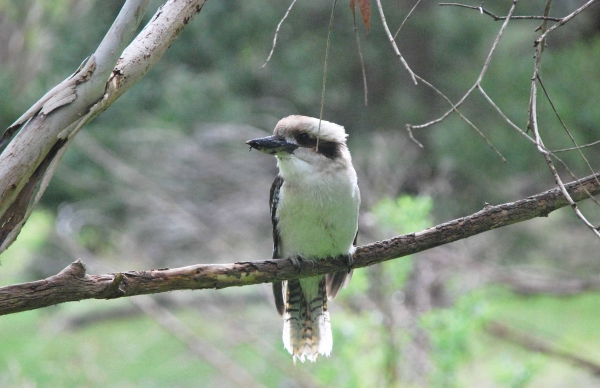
48 127
74 284
533 113
476 85
564 21
393 42
538 345
277 33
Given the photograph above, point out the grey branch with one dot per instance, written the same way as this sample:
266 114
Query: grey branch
496 17
44 132
73 284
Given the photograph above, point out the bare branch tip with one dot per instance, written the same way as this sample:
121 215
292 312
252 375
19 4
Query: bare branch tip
410 135
277 33
76 269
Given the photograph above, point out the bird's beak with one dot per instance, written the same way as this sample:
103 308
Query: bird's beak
272 145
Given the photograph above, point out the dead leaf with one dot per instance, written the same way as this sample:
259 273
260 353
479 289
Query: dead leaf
365 11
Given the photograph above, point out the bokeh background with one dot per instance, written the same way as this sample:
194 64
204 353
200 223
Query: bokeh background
163 179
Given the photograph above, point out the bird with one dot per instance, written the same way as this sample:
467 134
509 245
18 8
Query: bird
314 203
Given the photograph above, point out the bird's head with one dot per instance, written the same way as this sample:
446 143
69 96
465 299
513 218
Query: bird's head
295 139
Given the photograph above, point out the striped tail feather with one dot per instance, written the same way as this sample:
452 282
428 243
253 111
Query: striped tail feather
306 324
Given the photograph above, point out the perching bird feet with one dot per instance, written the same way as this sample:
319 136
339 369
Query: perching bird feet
349 262
298 260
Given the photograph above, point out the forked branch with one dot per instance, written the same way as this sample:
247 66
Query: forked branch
496 17
45 131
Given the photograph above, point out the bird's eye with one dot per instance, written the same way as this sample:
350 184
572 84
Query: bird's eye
303 138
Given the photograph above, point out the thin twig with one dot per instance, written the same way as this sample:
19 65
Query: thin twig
362 61
406 18
529 138
578 147
393 42
532 121
277 33
325 70
454 107
539 50
544 24
486 64
564 125
465 119
497 108
411 136
496 17
564 20
533 124
572 175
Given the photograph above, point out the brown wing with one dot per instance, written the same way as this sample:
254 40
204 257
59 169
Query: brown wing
335 281
273 202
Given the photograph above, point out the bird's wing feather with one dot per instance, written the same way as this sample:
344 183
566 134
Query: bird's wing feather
337 280
273 202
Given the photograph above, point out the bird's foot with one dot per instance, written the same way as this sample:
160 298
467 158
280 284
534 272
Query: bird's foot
298 260
349 262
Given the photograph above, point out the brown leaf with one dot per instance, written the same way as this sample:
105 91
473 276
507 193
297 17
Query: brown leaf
365 10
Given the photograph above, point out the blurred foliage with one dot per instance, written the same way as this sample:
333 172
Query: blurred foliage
163 178
406 214
450 332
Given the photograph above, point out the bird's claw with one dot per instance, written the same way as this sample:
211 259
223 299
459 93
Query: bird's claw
350 262
297 262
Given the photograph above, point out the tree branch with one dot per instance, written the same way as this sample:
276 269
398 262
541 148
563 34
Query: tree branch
393 42
73 283
496 17
538 345
476 85
48 127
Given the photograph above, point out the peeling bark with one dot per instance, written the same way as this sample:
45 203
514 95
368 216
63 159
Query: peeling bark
44 132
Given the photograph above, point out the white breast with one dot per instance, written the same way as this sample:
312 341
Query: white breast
317 211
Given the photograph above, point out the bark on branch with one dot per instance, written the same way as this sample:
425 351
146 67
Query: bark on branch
73 283
45 131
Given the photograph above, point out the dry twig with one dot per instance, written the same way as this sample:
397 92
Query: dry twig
393 42
277 33
406 18
476 85
325 70
533 121
496 17
360 55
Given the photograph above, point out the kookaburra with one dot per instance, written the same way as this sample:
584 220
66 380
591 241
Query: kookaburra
314 210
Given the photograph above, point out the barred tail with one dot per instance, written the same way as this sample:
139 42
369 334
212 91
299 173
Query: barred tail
306 324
